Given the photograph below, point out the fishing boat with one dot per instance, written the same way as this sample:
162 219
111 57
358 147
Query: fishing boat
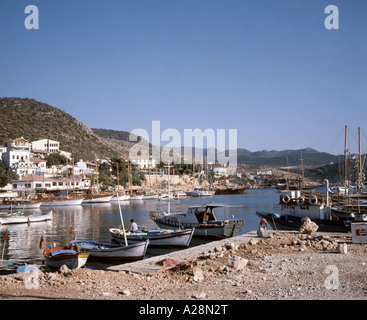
55 257
9 266
229 190
158 238
294 206
203 219
112 252
21 218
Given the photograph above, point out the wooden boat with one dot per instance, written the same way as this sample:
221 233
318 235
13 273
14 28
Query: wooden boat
221 191
159 238
55 257
294 206
20 217
119 252
203 219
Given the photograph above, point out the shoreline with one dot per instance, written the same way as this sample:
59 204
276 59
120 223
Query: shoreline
288 265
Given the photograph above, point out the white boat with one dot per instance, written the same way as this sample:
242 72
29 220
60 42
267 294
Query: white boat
56 201
203 219
202 193
161 237
115 252
9 204
136 197
19 218
121 197
55 257
97 198
150 196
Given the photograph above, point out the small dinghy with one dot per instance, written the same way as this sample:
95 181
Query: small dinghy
55 257
115 252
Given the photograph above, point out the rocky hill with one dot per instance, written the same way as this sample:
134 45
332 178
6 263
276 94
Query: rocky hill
34 120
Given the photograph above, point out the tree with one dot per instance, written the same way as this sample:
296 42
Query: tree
6 175
55 159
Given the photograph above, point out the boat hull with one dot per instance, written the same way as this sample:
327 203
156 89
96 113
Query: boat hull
21 219
59 256
110 252
157 238
229 191
220 231
97 199
288 222
66 202
121 198
16 205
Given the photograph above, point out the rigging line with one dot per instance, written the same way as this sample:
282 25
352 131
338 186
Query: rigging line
336 141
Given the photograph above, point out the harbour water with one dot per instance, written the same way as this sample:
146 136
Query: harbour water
93 221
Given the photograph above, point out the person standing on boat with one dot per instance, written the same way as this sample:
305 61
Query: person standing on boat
133 226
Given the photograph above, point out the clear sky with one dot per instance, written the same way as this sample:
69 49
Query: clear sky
268 68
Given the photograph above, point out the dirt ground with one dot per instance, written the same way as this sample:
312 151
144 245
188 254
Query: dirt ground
284 267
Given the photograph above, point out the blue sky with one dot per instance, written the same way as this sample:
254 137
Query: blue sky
268 68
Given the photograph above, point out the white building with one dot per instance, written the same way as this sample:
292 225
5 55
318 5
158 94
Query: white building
48 145
34 183
143 162
17 150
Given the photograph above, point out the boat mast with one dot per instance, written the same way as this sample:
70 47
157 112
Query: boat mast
345 158
122 220
359 183
95 158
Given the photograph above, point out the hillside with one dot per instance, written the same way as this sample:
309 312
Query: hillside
35 120
274 158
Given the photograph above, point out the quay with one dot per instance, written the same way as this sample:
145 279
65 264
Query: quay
150 265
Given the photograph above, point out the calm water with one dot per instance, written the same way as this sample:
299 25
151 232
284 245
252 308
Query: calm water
94 221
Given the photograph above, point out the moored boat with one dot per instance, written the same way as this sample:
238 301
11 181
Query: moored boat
112 252
203 219
228 190
13 203
21 218
97 198
55 257
160 237
294 206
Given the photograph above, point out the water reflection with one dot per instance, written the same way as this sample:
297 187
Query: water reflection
93 221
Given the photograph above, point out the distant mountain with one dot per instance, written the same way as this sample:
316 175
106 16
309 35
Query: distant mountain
310 157
34 120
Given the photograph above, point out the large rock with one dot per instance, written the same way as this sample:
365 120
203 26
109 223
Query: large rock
308 226
236 263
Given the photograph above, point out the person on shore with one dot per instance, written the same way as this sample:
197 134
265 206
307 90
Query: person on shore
133 226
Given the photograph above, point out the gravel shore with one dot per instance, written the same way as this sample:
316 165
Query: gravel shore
286 266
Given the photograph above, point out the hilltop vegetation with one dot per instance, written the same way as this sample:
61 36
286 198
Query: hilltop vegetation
34 120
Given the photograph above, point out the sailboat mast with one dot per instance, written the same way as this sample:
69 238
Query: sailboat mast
345 157
359 161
